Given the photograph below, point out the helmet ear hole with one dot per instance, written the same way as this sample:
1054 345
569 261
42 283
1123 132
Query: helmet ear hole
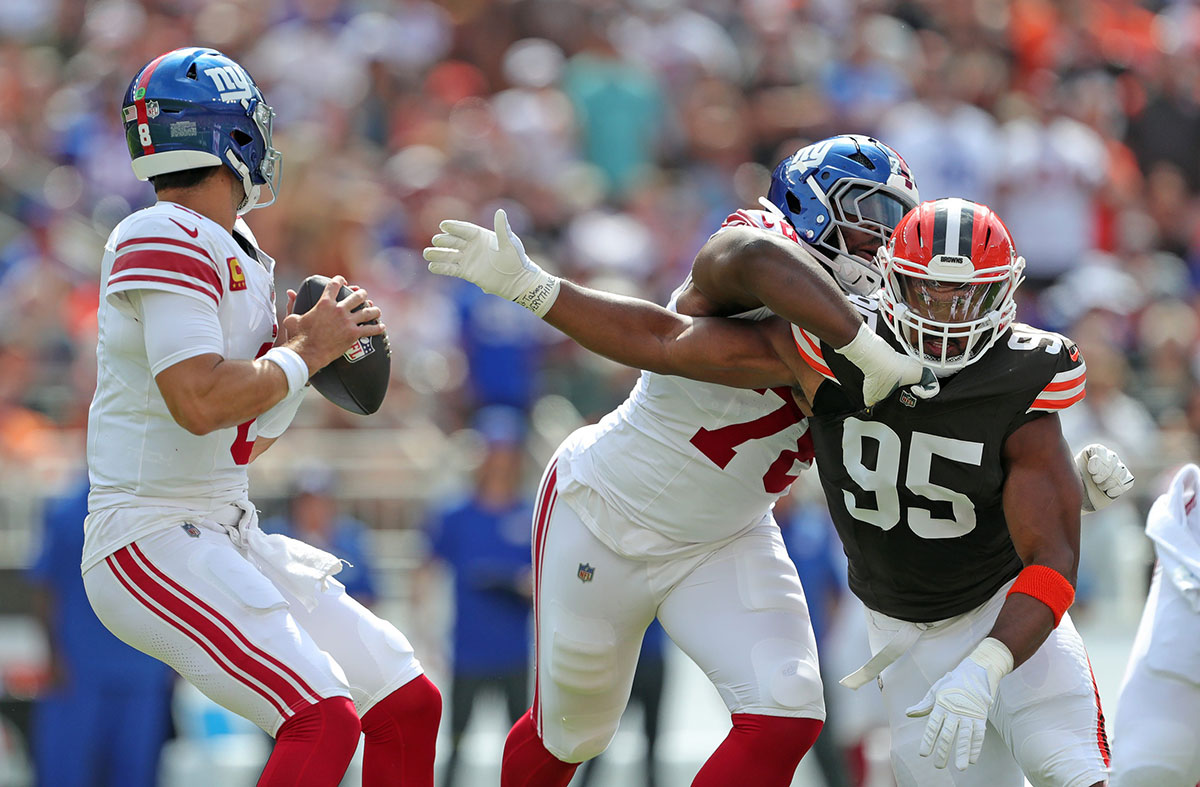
793 203
241 137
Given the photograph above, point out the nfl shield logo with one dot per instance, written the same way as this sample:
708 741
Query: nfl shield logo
361 349
586 572
908 399
191 529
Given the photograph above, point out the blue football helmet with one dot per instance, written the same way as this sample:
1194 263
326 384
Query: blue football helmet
195 107
847 182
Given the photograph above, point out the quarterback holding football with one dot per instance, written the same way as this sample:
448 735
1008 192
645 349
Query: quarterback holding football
195 379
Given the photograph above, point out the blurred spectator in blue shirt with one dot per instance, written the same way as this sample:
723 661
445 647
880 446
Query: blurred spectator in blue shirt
313 517
485 542
504 349
106 713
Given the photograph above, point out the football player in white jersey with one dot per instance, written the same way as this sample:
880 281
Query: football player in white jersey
195 379
664 488
1158 714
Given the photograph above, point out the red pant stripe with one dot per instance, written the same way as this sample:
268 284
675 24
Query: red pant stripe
1101 734
548 494
287 672
135 581
206 626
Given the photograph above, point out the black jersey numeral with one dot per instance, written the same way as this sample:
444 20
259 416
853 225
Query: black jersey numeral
882 480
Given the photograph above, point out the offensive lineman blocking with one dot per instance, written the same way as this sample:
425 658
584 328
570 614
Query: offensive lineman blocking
195 380
654 431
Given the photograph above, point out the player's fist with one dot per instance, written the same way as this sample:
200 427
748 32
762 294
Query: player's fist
494 261
1103 475
323 331
884 370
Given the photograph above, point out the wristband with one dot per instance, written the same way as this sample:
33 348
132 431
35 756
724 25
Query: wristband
541 296
276 420
1047 586
293 366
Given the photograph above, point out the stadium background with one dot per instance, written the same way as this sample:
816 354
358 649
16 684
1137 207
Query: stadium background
617 135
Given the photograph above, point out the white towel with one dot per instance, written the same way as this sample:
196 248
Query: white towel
1174 526
300 568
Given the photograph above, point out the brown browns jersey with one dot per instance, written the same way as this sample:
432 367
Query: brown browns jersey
914 486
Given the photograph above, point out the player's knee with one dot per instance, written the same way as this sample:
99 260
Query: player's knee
788 679
333 722
573 748
584 661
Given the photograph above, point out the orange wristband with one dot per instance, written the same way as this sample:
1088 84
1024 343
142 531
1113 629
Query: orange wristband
1047 586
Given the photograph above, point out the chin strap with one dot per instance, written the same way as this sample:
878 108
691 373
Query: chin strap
251 189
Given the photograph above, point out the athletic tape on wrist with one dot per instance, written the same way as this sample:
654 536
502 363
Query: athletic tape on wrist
1047 586
293 366
275 421
541 296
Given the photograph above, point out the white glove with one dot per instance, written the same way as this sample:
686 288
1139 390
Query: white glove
884 370
1103 475
958 705
494 261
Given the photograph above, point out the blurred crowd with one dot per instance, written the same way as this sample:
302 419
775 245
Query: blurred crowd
618 134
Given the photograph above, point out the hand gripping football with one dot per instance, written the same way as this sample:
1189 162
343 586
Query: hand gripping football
358 379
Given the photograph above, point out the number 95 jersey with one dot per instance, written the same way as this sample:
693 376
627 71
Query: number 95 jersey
915 486
137 454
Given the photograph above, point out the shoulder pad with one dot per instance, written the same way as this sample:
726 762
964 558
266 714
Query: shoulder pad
1058 374
761 219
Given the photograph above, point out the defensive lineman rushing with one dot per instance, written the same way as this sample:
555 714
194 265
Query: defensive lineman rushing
668 498
194 381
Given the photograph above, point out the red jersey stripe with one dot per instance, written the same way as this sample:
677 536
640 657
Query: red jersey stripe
134 278
1065 385
169 242
139 104
1060 404
169 261
812 360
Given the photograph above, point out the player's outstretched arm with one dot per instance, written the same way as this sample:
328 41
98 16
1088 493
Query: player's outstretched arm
1042 499
646 336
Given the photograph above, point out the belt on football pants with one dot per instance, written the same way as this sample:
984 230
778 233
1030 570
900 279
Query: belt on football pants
896 647
300 568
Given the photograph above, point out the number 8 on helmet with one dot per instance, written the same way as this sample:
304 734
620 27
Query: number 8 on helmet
195 107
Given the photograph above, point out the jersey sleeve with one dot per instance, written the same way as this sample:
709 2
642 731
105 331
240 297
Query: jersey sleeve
1057 375
156 252
1066 386
809 347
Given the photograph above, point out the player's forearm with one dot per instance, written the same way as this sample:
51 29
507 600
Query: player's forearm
783 276
1023 625
204 398
630 331
644 335
1041 500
